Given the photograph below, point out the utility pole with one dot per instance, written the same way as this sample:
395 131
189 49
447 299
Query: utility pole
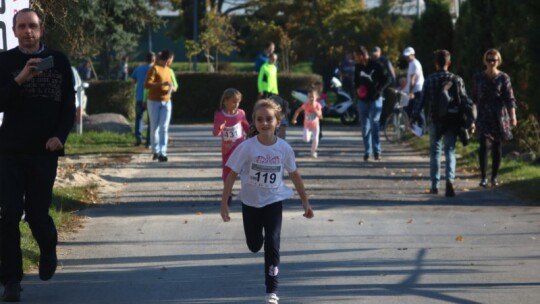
149 39
195 31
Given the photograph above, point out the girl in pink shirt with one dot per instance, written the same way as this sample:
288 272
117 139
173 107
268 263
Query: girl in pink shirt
230 122
312 115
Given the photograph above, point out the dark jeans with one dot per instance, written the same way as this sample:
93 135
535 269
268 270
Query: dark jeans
139 123
496 154
26 183
268 219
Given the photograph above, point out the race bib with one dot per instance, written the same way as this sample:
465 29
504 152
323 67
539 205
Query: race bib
311 116
265 175
232 133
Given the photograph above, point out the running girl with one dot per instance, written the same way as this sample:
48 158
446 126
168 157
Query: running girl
312 116
230 122
261 161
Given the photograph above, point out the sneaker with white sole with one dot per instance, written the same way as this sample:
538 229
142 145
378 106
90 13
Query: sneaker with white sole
314 154
271 298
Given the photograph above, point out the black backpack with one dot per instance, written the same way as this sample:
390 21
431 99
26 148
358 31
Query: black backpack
448 100
451 110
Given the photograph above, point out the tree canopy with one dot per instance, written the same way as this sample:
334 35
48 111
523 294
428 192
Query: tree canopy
86 28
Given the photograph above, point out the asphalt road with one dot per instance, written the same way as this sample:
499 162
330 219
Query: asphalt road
377 236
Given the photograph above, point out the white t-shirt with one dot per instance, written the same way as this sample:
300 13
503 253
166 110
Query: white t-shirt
261 171
415 68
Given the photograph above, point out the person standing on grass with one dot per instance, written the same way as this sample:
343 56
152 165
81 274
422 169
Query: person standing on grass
263 57
39 111
160 87
230 123
267 82
138 76
496 105
261 161
312 115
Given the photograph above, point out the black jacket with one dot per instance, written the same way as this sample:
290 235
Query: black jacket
39 109
370 80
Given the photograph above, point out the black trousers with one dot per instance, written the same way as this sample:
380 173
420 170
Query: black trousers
269 219
26 184
496 155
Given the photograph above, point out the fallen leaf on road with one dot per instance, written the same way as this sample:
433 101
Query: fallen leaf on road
185 222
199 213
466 190
410 221
460 238
361 223
330 220
533 238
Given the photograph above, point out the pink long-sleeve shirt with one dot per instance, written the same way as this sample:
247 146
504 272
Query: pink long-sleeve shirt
234 132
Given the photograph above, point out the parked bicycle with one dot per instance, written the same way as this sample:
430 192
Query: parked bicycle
397 123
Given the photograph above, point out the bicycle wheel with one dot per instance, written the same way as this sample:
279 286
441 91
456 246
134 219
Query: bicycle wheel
396 126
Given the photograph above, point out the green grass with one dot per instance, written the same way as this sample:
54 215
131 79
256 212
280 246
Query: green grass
518 177
99 142
299 68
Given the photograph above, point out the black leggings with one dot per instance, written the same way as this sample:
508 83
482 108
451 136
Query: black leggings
496 153
268 218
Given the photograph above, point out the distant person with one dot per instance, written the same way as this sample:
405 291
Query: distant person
160 87
346 73
267 82
122 73
39 111
85 70
230 124
376 54
261 162
415 79
496 105
139 76
284 104
445 126
312 115
370 79
264 56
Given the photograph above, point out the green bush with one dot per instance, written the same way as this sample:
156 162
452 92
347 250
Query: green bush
111 96
199 94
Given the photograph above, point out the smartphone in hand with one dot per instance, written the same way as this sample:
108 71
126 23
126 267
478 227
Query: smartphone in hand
44 64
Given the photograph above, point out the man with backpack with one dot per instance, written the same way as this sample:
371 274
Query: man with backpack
451 114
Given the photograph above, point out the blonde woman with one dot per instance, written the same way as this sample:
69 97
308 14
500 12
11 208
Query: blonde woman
494 98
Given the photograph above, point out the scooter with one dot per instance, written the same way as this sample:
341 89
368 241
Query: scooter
344 107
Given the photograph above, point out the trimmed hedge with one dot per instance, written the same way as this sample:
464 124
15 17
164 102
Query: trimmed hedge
198 95
111 96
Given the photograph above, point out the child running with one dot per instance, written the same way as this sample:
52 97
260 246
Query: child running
261 162
230 122
312 115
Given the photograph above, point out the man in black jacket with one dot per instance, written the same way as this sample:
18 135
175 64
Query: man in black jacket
370 80
39 109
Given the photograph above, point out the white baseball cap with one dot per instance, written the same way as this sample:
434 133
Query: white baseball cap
408 51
